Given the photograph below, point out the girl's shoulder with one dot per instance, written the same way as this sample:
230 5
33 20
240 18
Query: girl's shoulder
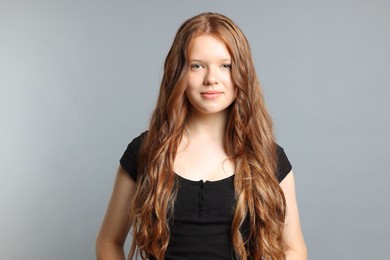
283 164
129 159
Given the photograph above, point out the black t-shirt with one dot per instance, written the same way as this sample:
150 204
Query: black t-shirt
203 210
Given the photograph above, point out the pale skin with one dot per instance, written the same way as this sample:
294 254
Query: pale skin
210 91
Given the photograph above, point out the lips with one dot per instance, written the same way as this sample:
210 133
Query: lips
212 94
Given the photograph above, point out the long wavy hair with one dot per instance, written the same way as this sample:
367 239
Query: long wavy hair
249 142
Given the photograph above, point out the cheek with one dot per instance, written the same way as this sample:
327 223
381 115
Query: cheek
189 89
192 83
227 80
186 92
189 93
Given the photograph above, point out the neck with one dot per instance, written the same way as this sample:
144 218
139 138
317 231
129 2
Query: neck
207 126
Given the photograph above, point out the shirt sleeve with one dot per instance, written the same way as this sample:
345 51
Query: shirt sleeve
129 159
284 165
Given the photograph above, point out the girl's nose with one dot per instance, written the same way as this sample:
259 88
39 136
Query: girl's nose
211 77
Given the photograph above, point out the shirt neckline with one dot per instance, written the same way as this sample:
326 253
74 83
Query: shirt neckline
207 182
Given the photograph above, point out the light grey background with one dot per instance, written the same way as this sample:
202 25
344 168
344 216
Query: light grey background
79 79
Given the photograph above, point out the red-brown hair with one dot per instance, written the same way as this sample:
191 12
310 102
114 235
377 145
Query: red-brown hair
249 141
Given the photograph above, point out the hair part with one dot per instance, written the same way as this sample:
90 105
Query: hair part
249 142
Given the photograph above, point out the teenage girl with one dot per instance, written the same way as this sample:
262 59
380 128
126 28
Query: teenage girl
207 180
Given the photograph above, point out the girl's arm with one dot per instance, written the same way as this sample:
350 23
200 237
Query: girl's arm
116 223
292 231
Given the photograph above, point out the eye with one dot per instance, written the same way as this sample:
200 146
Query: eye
196 66
227 66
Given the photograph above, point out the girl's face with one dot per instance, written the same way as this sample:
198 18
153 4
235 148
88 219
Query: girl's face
210 87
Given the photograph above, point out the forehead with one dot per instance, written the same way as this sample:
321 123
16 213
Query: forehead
208 46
